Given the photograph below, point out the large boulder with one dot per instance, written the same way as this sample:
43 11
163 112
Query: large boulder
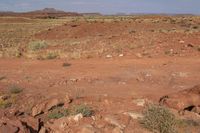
188 99
58 126
14 126
8 128
45 106
32 123
61 125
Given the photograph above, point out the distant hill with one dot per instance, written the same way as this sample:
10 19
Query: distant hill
48 10
44 13
54 13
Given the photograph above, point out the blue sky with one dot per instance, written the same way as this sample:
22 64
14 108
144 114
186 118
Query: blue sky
106 6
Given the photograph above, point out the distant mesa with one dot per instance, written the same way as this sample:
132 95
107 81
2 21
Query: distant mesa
54 13
48 10
44 13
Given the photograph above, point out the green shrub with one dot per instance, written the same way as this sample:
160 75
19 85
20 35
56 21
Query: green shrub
37 45
159 119
5 104
55 115
51 55
15 89
85 110
66 64
58 113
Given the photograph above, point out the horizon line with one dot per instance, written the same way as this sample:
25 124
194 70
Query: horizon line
124 13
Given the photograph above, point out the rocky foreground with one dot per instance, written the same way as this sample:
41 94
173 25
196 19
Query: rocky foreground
61 115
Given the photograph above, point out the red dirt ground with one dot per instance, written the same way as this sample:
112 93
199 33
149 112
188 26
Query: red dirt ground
123 77
150 37
109 85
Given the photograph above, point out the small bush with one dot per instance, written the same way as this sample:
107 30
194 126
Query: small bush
15 89
159 119
37 45
66 64
5 104
58 113
55 115
51 55
83 109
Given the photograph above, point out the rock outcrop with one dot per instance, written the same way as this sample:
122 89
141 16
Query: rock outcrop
188 99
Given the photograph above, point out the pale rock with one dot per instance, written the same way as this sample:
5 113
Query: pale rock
78 117
73 80
134 115
139 102
117 130
181 41
75 118
43 130
67 99
113 121
139 55
109 56
121 55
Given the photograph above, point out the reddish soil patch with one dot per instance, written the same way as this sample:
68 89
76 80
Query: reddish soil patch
124 76
15 20
107 85
150 37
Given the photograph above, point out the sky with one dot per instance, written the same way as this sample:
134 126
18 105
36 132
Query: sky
106 6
